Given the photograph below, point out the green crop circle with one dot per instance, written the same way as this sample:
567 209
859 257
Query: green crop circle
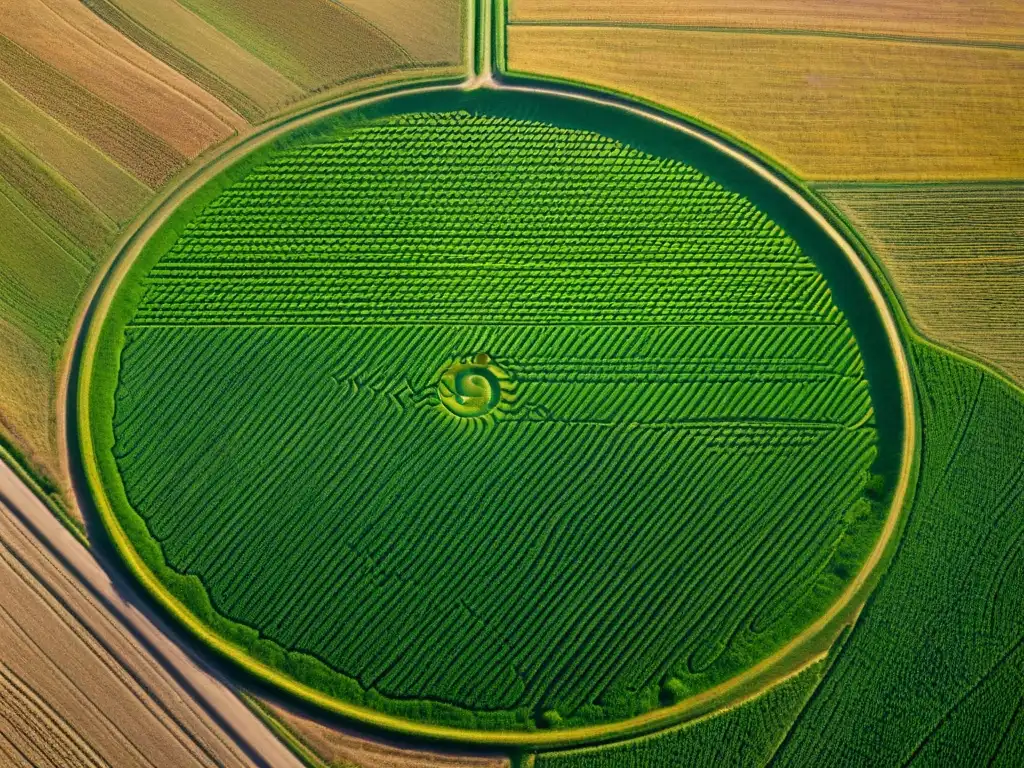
614 363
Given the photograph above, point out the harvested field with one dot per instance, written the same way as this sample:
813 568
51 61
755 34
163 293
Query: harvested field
430 31
75 687
612 303
314 43
148 157
338 746
827 108
107 186
955 253
175 35
54 196
995 21
163 103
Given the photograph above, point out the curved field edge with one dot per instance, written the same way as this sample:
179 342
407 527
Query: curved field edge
939 646
188 601
746 734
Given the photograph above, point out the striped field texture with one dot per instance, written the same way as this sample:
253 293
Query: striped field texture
690 435
955 253
939 649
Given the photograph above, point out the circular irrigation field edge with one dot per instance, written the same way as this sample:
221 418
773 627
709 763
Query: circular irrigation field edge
99 360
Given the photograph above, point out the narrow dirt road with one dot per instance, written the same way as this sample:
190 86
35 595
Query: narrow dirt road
87 676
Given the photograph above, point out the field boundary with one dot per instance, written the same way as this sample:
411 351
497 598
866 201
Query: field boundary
778 31
812 641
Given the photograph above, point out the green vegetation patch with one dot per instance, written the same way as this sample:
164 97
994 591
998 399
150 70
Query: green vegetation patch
487 421
933 672
745 736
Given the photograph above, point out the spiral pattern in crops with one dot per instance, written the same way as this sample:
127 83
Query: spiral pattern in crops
475 387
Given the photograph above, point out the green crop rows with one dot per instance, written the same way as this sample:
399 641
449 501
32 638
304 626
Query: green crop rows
660 497
933 672
744 736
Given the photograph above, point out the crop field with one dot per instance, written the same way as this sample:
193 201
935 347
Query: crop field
422 28
933 671
314 43
115 193
471 386
747 735
75 689
955 253
103 103
995 21
826 107
73 65
176 36
940 647
512 383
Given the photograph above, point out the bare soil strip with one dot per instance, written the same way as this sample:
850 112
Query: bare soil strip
68 639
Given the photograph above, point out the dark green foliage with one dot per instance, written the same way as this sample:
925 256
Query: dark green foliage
745 736
689 439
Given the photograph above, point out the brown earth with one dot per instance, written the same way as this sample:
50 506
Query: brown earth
340 747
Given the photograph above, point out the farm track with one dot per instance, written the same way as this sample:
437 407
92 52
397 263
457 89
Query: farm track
758 677
84 655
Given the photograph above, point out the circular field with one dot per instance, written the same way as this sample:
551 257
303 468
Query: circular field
488 412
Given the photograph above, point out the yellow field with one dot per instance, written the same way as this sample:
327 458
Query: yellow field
992 20
955 253
826 107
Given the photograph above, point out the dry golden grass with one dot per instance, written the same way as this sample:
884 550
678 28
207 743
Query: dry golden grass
175 35
430 31
955 253
341 748
106 64
145 155
109 187
826 107
76 689
314 43
990 20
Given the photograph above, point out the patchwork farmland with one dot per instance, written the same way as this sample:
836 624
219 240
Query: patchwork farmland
518 383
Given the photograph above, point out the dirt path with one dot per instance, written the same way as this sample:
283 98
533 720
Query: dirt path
89 676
